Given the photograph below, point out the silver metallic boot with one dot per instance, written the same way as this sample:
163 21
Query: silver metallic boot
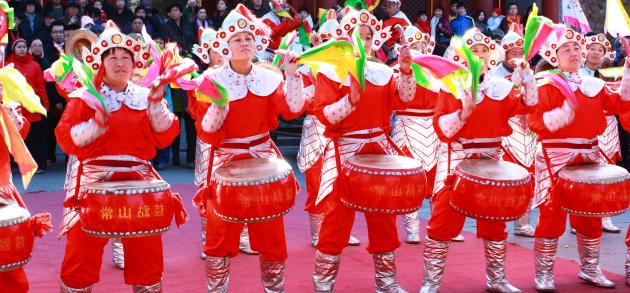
218 274
244 246
316 225
118 253
435 253
65 289
628 267
155 288
522 226
203 237
412 226
272 274
325 273
588 249
496 281
544 256
385 273
608 226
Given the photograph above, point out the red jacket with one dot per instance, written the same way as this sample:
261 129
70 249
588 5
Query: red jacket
35 78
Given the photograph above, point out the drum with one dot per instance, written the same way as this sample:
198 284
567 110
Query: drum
593 190
487 189
383 184
130 208
16 237
253 190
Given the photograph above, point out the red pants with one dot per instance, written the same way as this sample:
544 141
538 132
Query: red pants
84 253
552 222
313 176
446 223
628 237
13 281
337 225
222 237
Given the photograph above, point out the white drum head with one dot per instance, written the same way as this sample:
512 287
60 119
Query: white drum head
492 169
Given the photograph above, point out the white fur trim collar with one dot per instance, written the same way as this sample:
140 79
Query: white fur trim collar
260 81
134 97
495 88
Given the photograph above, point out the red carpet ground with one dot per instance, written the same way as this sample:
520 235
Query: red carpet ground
185 271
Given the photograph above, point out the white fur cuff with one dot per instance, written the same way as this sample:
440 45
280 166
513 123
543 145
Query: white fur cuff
160 116
406 87
85 133
558 117
339 110
450 124
294 93
214 117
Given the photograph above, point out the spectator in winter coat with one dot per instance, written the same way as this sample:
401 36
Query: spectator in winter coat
423 23
32 25
480 22
463 22
494 21
24 63
437 14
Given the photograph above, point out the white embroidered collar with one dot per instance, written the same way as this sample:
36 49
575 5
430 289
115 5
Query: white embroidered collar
134 97
588 85
493 87
375 73
260 81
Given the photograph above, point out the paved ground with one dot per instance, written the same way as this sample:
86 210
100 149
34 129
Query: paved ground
613 247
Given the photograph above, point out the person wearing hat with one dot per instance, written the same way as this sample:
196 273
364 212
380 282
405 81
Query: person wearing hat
214 59
520 146
313 141
98 139
358 122
568 135
599 50
280 26
457 124
240 130
413 127
17 126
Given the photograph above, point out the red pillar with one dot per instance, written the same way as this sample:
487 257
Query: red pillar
551 9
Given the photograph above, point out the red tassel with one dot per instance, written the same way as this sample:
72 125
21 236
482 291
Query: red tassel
181 216
71 202
41 224
200 199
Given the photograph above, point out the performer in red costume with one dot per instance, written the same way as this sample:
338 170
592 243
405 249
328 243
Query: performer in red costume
520 146
313 141
413 127
109 147
395 17
358 122
14 280
280 27
459 127
599 50
214 59
241 131
568 135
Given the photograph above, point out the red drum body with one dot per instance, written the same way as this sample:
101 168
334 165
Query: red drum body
126 208
492 190
594 190
253 190
16 237
383 184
